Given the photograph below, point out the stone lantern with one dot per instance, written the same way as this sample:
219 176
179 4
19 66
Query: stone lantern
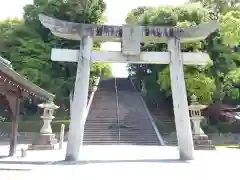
45 140
48 110
200 139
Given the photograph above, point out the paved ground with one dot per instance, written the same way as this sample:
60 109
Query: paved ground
124 162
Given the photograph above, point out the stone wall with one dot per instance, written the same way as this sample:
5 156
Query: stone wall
217 139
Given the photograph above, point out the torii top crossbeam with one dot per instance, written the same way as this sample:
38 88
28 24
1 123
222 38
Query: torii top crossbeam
159 34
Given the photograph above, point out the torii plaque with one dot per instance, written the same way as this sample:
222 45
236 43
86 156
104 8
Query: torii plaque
130 36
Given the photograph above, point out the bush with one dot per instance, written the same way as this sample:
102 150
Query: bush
208 129
33 126
224 127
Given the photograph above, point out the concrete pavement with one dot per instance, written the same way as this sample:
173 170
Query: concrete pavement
126 162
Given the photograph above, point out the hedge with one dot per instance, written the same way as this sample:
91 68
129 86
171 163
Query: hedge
33 126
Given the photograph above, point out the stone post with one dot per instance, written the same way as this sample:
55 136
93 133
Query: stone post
200 139
45 140
237 116
61 136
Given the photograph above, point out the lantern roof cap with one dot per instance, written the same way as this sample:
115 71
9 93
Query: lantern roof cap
195 104
48 105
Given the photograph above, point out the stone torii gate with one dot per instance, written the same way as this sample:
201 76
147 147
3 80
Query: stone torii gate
130 36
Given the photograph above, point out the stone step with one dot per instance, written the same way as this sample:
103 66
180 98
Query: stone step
103 115
92 118
204 147
122 134
202 142
106 129
120 143
121 122
106 118
114 119
100 143
136 136
100 122
115 125
132 141
145 136
99 108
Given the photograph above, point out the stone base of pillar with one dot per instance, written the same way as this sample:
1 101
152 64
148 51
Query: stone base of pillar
202 142
44 142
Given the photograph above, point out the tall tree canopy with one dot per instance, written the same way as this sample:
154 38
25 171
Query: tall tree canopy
27 44
205 82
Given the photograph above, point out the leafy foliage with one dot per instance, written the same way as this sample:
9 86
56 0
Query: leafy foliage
232 83
195 81
230 29
205 82
27 44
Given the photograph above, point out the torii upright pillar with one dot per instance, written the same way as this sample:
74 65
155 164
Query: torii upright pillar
180 103
130 36
76 128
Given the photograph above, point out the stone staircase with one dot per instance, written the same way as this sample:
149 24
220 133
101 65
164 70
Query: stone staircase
133 125
102 116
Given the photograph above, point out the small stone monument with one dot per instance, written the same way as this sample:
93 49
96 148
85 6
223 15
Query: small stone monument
235 113
237 116
200 139
46 139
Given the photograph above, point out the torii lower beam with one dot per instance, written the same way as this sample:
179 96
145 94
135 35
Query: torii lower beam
189 58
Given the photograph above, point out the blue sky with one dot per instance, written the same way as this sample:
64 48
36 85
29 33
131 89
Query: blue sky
116 13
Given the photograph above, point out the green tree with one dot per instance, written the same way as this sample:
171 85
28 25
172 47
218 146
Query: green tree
230 30
173 16
28 44
232 83
219 45
224 5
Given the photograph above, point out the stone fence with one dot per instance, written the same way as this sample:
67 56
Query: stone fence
170 139
217 139
25 134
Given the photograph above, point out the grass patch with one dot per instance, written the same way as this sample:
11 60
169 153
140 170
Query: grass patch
228 146
33 126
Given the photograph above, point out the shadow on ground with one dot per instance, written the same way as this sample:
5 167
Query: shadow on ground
92 162
8 169
25 162
2 157
118 161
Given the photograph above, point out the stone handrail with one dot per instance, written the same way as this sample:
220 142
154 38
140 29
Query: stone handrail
91 98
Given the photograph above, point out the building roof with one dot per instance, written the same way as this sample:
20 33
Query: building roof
6 68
